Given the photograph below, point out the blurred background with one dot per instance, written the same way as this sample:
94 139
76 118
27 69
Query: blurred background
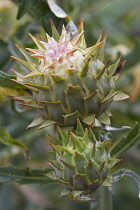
121 21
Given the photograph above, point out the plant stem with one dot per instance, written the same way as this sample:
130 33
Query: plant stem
103 200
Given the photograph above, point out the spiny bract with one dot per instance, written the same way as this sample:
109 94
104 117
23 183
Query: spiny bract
68 80
81 161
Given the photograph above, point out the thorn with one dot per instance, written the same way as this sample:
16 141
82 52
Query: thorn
31 36
14 57
70 86
81 22
102 32
120 57
106 35
119 160
108 61
72 52
119 68
50 66
39 37
43 174
17 46
50 144
52 23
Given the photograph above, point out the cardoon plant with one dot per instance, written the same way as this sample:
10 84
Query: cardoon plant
71 87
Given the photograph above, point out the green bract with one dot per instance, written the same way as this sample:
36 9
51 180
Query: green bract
81 161
68 80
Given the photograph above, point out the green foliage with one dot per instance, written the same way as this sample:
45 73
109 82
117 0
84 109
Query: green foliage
120 19
8 87
4 53
5 80
125 172
6 139
24 176
127 142
105 200
43 11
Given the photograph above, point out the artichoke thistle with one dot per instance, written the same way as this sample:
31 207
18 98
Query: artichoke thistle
72 88
67 80
81 161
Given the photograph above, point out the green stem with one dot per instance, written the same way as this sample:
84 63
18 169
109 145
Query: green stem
103 200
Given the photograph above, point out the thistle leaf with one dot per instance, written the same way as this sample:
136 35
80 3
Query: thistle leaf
41 10
101 49
5 91
24 176
125 172
37 121
104 118
80 161
89 120
6 139
55 33
74 98
80 147
47 123
26 54
98 41
127 142
82 42
30 66
120 96
111 94
111 70
64 136
5 81
90 50
71 119
79 128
